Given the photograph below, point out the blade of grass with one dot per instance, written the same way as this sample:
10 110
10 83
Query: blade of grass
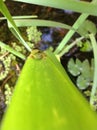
9 49
6 13
74 5
83 30
68 47
20 17
39 22
76 25
65 40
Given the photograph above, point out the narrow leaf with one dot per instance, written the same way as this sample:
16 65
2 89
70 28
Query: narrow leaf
74 5
10 49
39 22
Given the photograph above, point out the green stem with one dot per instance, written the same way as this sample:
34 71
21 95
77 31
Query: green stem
65 40
20 17
76 25
8 48
68 47
93 97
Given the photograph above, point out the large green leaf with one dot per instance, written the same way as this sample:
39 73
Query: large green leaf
46 99
74 5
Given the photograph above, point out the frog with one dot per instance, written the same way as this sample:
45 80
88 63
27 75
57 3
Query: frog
37 54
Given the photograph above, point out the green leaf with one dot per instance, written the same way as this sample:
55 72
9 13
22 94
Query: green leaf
66 39
74 68
39 22
86 70
10 49
74 5
82 82
79 64
87 47
93 98
45 99
87 27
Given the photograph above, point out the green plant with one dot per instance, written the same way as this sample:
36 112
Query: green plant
44 94
33 34
85 46
84 72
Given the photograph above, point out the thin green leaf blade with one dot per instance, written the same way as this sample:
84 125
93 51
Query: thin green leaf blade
65 40
10 49
39 22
